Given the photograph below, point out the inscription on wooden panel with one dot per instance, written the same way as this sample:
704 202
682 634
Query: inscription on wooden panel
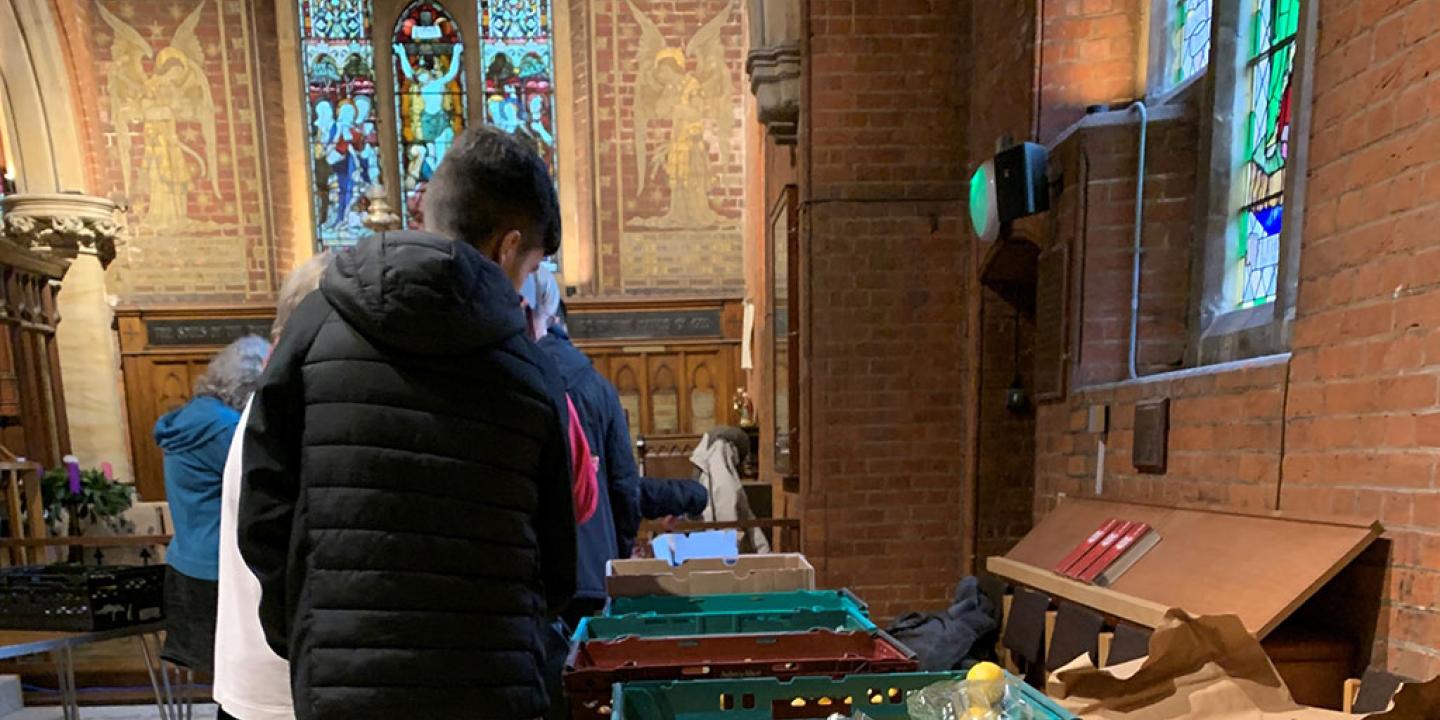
626 325
702 410
665 404
221 331
1051 305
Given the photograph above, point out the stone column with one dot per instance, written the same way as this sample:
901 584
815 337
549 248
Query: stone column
773 64
80 231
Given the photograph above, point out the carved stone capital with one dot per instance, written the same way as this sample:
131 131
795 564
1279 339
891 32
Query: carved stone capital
62 226
773 64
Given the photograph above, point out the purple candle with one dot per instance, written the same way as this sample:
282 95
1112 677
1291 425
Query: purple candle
72 466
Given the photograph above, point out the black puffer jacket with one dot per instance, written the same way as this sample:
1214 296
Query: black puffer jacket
406 501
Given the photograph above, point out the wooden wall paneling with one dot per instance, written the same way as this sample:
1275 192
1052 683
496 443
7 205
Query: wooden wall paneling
51 312
631 381
163 351
667 411
707 387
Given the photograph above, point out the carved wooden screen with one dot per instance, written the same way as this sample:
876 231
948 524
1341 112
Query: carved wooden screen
162 352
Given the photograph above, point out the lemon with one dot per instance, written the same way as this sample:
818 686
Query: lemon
979 713
985 672
986 684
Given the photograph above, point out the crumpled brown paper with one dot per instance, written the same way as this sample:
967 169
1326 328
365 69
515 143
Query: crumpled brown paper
1206 668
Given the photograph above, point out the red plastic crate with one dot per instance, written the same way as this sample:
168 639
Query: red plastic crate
596 665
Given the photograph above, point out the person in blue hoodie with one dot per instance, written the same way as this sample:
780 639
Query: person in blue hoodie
196 439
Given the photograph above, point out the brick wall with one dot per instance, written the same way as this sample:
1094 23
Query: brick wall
1225 429
1345 425
1089 55
886 258
1102 160
1006 468
1363 413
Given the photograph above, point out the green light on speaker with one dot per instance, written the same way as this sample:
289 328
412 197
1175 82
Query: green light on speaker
983 211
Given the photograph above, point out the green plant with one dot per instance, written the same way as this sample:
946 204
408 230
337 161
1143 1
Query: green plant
100 500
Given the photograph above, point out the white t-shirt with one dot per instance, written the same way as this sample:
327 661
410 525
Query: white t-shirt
251 681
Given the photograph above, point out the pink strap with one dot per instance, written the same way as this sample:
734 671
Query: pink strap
584 488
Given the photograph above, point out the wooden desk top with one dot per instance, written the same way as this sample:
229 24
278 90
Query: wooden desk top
1260 567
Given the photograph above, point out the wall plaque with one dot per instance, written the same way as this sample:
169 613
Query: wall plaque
221 331
628 325
1152 435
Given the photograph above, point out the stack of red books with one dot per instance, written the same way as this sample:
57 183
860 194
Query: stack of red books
1108 552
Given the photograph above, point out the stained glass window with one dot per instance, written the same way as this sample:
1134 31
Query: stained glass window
1266 144
339 66
518 60
1188 38
429 97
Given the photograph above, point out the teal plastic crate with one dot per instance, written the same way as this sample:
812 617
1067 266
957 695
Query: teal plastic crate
882 697
730 623
817 600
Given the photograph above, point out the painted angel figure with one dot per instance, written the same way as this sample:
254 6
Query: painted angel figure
174 91
690 98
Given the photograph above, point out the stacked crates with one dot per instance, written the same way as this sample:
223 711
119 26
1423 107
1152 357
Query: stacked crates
742 639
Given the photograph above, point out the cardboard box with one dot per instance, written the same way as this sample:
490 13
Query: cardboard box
710 576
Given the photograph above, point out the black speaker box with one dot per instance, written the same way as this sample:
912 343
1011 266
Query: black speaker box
1020 185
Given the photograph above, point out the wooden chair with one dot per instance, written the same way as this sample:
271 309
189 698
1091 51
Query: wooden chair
1024 636
1077 632
24 511
667 456
1373 692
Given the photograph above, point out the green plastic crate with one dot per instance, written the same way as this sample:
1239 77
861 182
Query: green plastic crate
882 697
733 623
741 603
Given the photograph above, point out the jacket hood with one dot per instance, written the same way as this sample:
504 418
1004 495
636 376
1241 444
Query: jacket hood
194 424
572 364
423 293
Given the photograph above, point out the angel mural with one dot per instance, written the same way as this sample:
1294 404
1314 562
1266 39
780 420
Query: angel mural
687 90
173 93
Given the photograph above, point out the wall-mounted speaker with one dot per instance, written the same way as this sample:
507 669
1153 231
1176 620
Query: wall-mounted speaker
1020 184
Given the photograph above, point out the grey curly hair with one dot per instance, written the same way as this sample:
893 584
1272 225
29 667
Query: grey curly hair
235 372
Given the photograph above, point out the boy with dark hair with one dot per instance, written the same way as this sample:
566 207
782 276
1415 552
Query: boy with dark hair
488 193
406 490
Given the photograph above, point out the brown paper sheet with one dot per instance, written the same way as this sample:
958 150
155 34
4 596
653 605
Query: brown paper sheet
1206 668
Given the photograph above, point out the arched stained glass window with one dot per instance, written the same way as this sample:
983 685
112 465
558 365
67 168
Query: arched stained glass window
1271 53
517 41
339 66
429 97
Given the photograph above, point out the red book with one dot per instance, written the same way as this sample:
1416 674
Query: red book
1082 565
1134 531
1084 547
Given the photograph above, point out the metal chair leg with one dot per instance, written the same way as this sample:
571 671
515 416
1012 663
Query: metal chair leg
154 681
169 692
189 694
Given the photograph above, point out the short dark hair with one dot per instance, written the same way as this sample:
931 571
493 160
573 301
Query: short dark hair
488 181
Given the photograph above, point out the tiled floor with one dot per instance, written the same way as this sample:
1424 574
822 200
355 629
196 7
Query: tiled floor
131 712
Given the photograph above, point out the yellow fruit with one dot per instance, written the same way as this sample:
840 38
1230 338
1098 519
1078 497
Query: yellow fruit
985 671
979 713
986 684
